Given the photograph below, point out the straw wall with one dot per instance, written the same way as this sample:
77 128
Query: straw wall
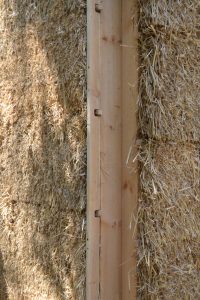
169 120
42 149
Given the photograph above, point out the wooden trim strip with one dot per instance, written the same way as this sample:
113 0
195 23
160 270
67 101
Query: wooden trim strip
93 152
129 133
111 155
112 185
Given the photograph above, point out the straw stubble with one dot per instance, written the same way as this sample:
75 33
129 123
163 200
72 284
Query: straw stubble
169 126
43 148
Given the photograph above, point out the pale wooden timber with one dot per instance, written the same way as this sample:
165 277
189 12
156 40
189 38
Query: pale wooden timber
111 151
129 132
93 153
112 187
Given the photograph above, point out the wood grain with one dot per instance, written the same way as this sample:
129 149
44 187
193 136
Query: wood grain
112 129
129 132
111 151
93 153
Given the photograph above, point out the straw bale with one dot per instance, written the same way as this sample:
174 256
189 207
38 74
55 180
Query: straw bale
170 69
169 156
169 218
42 149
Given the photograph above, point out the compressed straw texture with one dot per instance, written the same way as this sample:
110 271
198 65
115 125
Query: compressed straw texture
42 149
169 152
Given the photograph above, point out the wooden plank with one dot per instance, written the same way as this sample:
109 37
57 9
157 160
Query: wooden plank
110 254
129 132
112 186
93 153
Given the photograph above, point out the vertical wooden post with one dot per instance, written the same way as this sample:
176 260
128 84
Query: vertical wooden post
111 151
93 153
129 132
112 187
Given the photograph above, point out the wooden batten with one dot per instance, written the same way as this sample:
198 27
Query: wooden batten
93 153
111 152
129 133
112 186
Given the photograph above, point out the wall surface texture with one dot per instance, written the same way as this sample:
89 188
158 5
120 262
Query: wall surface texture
169 121
42 149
